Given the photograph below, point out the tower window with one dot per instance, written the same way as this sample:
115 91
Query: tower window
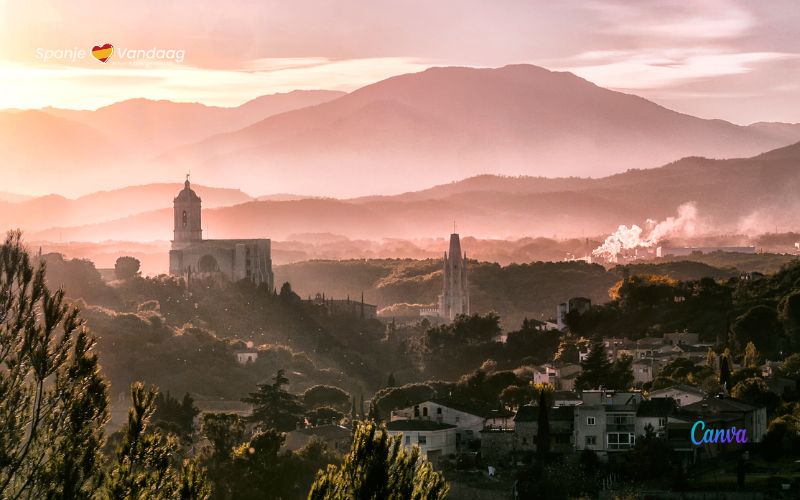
185 218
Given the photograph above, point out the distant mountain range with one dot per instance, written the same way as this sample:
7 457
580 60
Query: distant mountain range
75 151
401 134
748 195
442 124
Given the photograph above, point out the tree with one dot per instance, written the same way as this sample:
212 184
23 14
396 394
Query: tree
325 395
750 356
651 457
379 466
756 392
261 470
543 427
516 395
225 432
760 325
790 315
725 373
273 407
126 268
324 415
711 360
53 400
596 369
179 414
144 459
621 373
390 382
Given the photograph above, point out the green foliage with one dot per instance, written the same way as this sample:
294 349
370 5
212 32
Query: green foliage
756 392
126 268
599 372
274 407
379 467
651 459
324 415
53 401
393 398
326 395
759 325
179 414
145 459
543 427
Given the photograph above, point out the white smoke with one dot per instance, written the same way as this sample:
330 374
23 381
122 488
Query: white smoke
628 238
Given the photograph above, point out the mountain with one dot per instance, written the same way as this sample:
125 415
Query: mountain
414 130
13 197
45 212
746 195
73 151
161 125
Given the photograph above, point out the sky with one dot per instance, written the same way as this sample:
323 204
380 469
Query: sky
735 60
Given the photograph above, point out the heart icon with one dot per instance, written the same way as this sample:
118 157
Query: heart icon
102 53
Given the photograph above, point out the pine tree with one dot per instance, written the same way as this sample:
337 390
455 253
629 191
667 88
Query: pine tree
391 382
543 427
144 460
53 400
274 407
725 373
379 466
750 356
596 369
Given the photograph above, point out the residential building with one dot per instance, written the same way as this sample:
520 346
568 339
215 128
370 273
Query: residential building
605 422
469 418
682 394
526 428
654 413
434 439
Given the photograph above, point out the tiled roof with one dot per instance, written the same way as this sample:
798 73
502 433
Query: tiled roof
680 387
473 408
718 405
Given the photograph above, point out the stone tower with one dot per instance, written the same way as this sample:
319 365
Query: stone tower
454 299
187 218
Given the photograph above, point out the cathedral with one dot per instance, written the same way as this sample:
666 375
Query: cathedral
454 299
192 257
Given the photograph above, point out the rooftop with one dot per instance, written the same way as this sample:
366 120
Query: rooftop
417 425
656 407
530 413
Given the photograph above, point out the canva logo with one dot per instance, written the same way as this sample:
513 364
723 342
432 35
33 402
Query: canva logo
700 434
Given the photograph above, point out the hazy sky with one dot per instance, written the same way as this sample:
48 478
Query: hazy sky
713 58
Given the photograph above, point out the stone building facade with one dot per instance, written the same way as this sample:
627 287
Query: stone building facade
192 257
454 299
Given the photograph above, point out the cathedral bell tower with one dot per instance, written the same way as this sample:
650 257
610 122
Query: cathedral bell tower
187 218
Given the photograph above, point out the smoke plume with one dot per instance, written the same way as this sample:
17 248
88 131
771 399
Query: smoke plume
628 238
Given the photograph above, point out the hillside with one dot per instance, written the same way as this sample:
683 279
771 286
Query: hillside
746 196
410 131
514 291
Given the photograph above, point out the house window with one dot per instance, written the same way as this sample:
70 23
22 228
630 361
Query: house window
457 419
416 411
408 440
439 410
424 411
620 440
524 441
422 439
662 422
591 440
184 218
590 421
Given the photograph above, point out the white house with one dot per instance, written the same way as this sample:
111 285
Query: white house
468 418
246 356
682 394
433 439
